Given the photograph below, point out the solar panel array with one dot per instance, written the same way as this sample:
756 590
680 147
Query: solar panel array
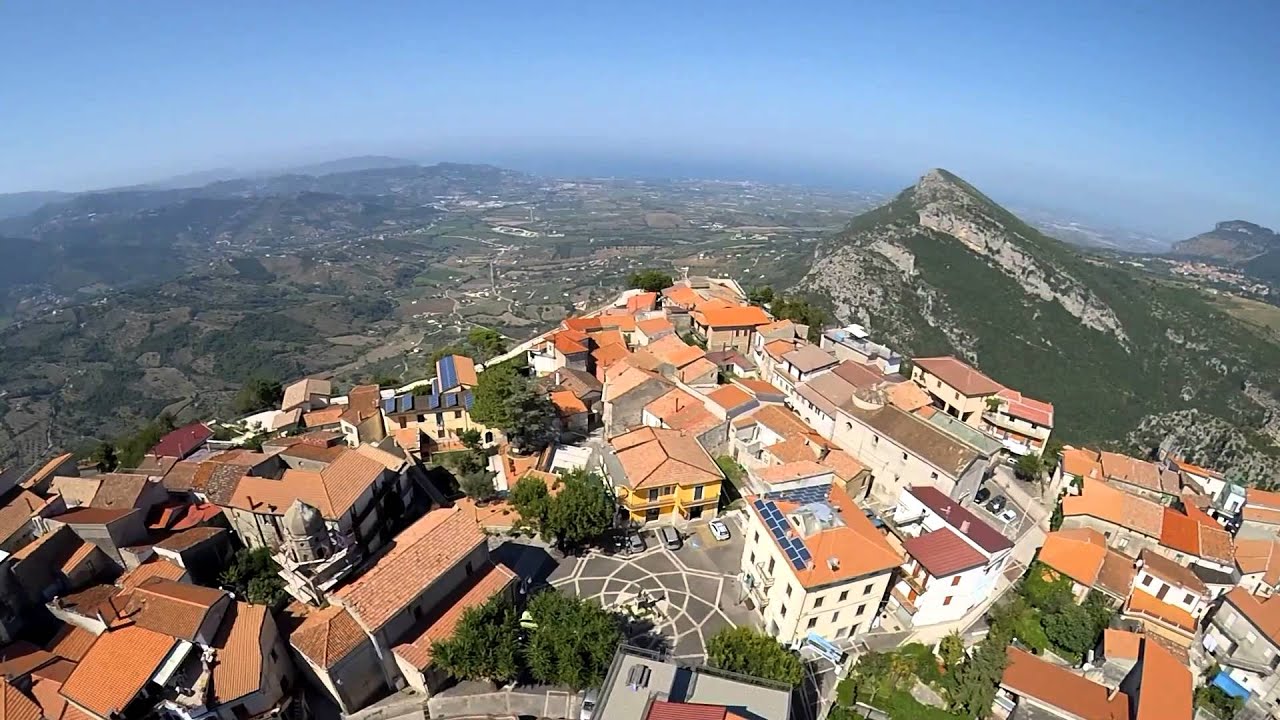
794 547
428 403
447 372
803 496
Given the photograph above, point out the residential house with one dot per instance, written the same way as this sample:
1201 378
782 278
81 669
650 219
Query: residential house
1193 537
853 343
307 394
560 349
399 605
662 474
38 482
1167 598
57 563
801 364
1024 423
110 530
443 411
1227 499
644 685
690 414
1129 523
954 558
181 442
653 329
585 387
1081 555
200 550
814 564
1243 637
956 388
688 363
1260 516
754 432
761 390
361 421
627 390
573 414
1034 688
733 363
1258 562
731 400
23 518
724 328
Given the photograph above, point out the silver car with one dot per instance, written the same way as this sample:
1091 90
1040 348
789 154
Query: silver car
589 704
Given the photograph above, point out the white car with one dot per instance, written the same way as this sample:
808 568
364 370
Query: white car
589 704
719 530
1008 515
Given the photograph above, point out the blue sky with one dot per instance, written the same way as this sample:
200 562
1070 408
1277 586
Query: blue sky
1160 115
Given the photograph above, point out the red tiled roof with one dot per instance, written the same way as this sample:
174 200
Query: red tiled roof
182 442
327 636
116 668
987 537
943 553
738 316
1020 406
1165 687
488 581
1100 500
1264 614
1144 604
1028 676
668 710
17 706
730 397
71 642
967 380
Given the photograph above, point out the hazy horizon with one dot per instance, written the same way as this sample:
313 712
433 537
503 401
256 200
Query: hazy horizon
1109 113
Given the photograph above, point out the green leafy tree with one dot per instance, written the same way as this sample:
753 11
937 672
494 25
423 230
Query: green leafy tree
573 642
478 486
104 457
486 342
258 393
1071 628
1030 468
252 574
650 280
581 512
951 649
472 439
869 676
484 646
532 500
532 420
750 652
1217 701
973 685
133 448
1045 589
800 311
760 295
494 388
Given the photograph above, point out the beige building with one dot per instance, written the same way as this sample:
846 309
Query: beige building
813 563
731 327
442 410
955 387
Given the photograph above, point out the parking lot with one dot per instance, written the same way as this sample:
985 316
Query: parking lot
694 591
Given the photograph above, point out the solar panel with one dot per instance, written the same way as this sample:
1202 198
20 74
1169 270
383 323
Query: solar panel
468 399
759 505
389 405
405 403
433 402
447 372
450 400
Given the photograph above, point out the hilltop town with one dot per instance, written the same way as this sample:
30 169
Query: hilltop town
681 504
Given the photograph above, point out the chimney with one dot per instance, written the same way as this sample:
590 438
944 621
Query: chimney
833 562
964 528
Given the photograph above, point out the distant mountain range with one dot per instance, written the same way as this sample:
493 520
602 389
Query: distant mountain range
942 269
1253 249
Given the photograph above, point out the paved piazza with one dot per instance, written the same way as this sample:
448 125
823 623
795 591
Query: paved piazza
688 594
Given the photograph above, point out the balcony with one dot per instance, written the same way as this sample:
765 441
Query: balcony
766 578
912 581
1018 430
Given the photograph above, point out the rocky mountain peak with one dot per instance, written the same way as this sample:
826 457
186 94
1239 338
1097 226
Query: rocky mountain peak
1231 242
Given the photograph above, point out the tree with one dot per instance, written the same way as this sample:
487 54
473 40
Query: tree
258 393
532 420
749 652
650 280
581 512
760 295
573 642
472 439
974 681
869 675
951 650
493 388
1030 468
253 575
486 342
485 644
531 498
800 311
1070 628
478 485
104 457
993 404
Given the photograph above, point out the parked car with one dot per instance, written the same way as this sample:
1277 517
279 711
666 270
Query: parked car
589 704
982 495
671 538
1008 515
635 544
719 530
997 504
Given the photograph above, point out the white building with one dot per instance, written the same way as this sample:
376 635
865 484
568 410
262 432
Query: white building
954 559
814 564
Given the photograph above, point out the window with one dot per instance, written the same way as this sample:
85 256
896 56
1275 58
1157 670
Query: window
653 494
1121 543
946 600
1146 581
817 602
422 418
835 616
788 590
867 590
273 654
439 418
771 562
1191 599
756 537
812 622
861 609
439 432
697 492
753 558
668 490
457 414
904 456
955 581
1250 637
875 439
933 476
844 595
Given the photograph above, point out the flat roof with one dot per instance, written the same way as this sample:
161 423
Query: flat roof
636 677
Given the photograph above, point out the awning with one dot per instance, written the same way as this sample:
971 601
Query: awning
1230 686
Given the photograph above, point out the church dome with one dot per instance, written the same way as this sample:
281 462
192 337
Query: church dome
302 520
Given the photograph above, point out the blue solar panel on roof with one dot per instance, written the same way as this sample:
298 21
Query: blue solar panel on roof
804 553
389 405
450 400
404 403
468 399
759 505
433 402
447 372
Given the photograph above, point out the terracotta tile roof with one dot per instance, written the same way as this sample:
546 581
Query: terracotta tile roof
605 338
48 696
1120 644
845 466
1076 553
299 392
1197 470
857 546
655 327
793 449
778 328
181 477
418 556
1259 556
18 511
908 396
93 516
238 642
808 358
82 552
17 706
960 519
1266 516
75 491
1117 574
736 316
386 458
333 491
120 491
1264 614
196 515
965 379
87 601
20 658
327 636
567 403
671 349
694 420
1180 532
488 581
1020 406
1145 604
116 668
700 368
664 406
670 710
730 397
182 441
1124 469
777 348
1171 572
324 416
791 471
681 295
1057 687
186 539
1262 506
71 642
569 342
607 357
943 553
580 382
1082 462
778 419
1165 686
655 456
316 453
758 388
174 608
1105 502
917 436
642 301
46 471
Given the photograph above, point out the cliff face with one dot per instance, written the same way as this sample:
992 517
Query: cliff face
943 269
